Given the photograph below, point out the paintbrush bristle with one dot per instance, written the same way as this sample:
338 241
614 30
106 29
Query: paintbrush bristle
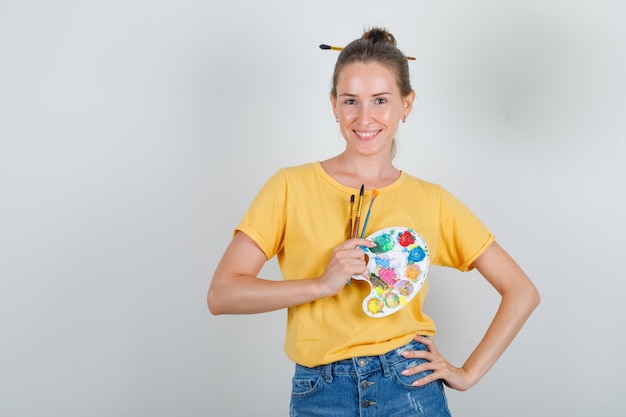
374 193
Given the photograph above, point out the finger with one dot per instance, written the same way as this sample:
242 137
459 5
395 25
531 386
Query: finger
357 241
419 354
425 380
422 367
428 342
355 255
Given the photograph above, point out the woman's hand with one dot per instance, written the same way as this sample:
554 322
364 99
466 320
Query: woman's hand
452 376
519 299
345 261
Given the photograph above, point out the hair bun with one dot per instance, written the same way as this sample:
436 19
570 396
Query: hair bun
379 35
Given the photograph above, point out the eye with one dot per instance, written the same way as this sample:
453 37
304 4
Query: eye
380 100
350 101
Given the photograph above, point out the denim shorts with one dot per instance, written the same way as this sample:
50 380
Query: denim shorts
366 386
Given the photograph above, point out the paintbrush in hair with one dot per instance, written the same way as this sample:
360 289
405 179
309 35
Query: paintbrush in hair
333 48
339 48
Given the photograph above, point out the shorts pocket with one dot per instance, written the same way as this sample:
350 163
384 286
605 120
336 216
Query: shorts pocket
405 381
306 382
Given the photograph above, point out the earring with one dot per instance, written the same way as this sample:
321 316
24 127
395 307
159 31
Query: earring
403 118
337 119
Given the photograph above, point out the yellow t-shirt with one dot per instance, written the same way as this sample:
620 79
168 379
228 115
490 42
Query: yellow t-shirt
302 213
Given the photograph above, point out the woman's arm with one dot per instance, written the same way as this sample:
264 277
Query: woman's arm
237 289
519 299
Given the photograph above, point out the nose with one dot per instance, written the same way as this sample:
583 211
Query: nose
365 115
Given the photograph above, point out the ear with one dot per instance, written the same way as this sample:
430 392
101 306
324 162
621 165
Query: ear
333 103
408 103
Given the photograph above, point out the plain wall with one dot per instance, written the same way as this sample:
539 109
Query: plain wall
134 134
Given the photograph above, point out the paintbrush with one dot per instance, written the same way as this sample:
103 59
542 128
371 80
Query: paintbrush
339 48
333 48
369 210
357 217
349 233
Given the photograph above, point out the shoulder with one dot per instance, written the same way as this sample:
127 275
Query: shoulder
421 185
289 177
297 174
431 192
299 170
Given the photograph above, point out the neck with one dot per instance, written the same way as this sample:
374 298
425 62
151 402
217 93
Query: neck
374 172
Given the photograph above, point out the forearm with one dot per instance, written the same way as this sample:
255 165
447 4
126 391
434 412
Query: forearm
248 294
514 310
237 289
519 299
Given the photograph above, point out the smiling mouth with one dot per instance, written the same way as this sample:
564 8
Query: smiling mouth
366 135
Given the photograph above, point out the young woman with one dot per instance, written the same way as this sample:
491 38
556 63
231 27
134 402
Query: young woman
349 362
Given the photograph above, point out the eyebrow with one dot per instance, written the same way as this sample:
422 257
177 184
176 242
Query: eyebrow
384 93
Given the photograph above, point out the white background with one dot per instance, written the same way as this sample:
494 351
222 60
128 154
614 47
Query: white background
134 134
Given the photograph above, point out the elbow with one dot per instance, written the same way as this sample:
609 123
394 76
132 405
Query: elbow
536 297
533 298
212 302
526 297
212 308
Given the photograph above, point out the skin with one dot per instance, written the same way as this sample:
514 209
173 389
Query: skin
519 297
369 107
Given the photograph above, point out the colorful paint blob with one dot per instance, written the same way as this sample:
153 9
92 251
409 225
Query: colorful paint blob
375 305
392 300
406 288
384 243
413 272
406 238
416 254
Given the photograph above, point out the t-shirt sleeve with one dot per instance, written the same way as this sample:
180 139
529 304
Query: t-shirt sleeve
264 222
463 237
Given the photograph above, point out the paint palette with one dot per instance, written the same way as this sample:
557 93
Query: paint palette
396 270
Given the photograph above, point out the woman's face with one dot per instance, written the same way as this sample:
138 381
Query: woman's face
369 107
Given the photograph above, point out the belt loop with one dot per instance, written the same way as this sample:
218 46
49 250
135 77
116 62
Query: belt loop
327 370
385 365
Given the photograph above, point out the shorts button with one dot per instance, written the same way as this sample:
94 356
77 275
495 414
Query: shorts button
368 403
362 361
